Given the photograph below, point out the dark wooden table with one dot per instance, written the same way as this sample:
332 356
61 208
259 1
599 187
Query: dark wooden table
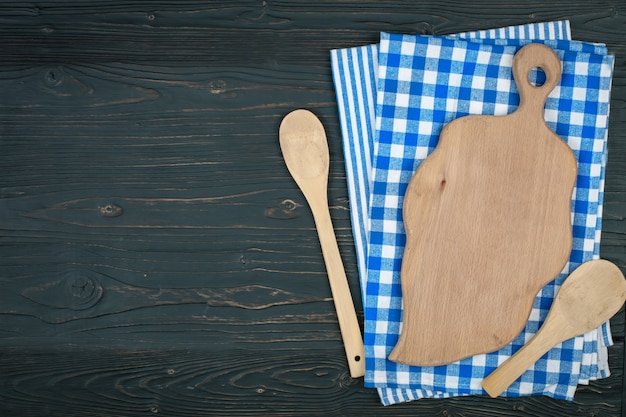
156 257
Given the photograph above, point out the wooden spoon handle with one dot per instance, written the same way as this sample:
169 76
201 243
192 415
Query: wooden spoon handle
346 314
500 379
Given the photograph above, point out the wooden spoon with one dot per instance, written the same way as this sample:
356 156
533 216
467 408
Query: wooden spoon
305 150
590 296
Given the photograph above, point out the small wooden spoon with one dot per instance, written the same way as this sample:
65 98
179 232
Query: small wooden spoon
589 297
305 150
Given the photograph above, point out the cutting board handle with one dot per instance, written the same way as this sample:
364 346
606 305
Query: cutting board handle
535 55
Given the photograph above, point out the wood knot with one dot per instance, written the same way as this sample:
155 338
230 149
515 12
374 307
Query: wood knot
74 291
111 210
217 86
284 209
82 292
425 28
53 77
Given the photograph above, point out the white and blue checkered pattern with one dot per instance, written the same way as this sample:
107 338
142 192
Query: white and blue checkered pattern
456 78
355 73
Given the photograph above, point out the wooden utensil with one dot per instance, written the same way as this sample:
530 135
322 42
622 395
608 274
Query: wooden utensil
305 150
487 219
589 297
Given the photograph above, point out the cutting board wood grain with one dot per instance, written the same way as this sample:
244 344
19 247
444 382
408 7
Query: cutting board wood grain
488 224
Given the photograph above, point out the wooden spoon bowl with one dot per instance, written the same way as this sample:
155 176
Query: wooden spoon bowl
589 297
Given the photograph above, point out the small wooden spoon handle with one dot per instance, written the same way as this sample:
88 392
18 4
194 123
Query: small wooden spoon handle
590 296
346 315
500 379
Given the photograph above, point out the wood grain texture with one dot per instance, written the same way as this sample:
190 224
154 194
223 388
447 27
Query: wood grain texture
151 238
590 296
304 147
481 213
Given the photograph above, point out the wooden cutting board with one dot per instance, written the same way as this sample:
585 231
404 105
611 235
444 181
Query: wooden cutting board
488 224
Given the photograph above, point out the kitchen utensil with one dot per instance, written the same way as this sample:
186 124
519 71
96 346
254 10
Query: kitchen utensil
590 296
305 150
488 223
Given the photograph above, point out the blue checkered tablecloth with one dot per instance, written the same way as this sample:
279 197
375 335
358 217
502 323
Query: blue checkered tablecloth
385 140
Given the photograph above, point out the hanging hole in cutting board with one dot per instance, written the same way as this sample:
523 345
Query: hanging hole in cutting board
536 77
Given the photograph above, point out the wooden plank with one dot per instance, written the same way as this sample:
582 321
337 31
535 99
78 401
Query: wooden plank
151 238
262 31
237 382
